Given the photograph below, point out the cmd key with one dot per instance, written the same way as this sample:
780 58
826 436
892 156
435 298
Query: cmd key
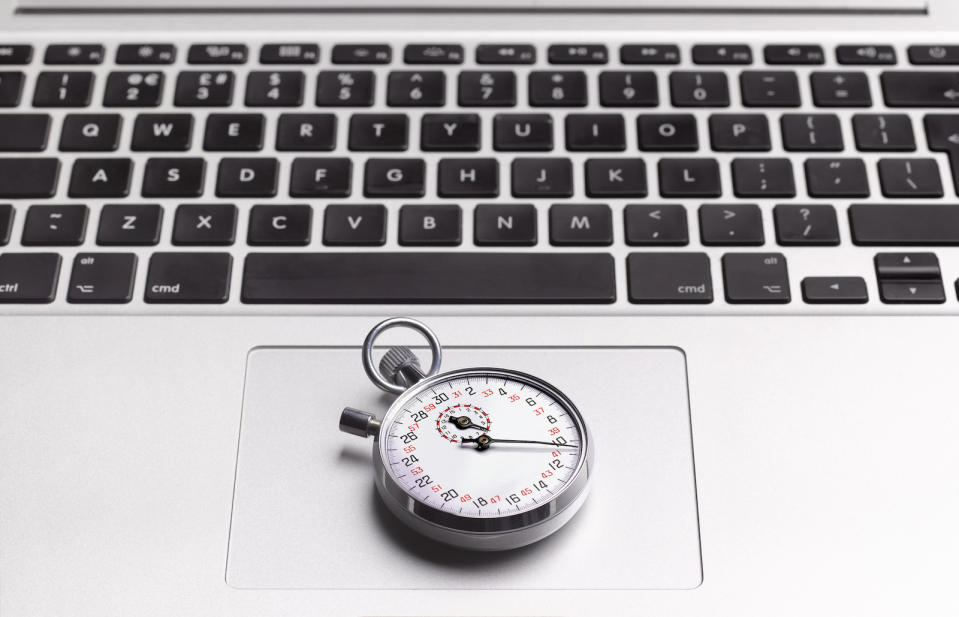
190 278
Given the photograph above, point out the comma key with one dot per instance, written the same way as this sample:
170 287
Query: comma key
189 278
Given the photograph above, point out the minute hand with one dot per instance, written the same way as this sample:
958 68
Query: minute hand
483 442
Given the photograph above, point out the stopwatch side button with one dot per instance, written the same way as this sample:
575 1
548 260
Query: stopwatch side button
361 423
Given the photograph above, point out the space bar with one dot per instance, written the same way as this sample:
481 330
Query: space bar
421 278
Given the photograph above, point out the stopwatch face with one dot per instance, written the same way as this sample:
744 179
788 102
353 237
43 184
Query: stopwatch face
483 443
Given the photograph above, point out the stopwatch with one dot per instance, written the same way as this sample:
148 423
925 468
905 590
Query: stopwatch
483 459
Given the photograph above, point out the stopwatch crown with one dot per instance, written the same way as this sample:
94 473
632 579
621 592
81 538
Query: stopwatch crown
401 366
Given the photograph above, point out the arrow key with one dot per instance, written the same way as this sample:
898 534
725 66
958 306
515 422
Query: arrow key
102 278
907 266
834 290
912 292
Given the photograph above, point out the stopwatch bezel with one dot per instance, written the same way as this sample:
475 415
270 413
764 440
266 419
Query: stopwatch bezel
403 502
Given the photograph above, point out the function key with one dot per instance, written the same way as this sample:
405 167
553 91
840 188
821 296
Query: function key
505 54
217 54
303 53
794 54
934 54
362 54
16 54
865 54
649 54
74 54
722 54
433 54
146 54
578 54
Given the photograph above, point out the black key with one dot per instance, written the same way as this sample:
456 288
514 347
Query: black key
836 178
689 178
617 177
146 53
921 88
450 132
100 178
204 89
912 292
769 89
580 225
26 178
16 54
649 54
345 89
934 54
669 278
907 266
416 89
133 89
395 178
755 278
290 53
299 132
699 89
722 54
884 132
468 178
173 177
834 290
840 89
910 178
321 177
362 54
628 89
162 132
63 89
280 225
29 277
557 89
6 223
542 178
656 225
904 224
191 278
232 53
595 132
102 278
379 132
522 132
129 225
430 225
74 54
89 133
806 225
24 132
54 226
942 133
794 54
811 132
766 177
205 224
247 178
487 89
11 87
731 225
433 54
477 278
739 133
505 54
233 132
667 132
504 224
354 225
274 89
577 54
865 54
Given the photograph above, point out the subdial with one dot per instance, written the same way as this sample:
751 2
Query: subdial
462 420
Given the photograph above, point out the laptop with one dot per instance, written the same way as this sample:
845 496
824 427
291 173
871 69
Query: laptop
725 229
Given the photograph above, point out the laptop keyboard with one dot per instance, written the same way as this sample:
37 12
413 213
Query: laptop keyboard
700 177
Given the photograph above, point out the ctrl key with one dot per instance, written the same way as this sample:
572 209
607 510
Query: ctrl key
188 278
669 278
29 277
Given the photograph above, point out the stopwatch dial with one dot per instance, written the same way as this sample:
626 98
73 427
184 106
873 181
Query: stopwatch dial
483 445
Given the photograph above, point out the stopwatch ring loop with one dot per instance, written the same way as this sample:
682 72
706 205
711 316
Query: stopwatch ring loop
374 374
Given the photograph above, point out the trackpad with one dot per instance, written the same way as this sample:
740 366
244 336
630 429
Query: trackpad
306 514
